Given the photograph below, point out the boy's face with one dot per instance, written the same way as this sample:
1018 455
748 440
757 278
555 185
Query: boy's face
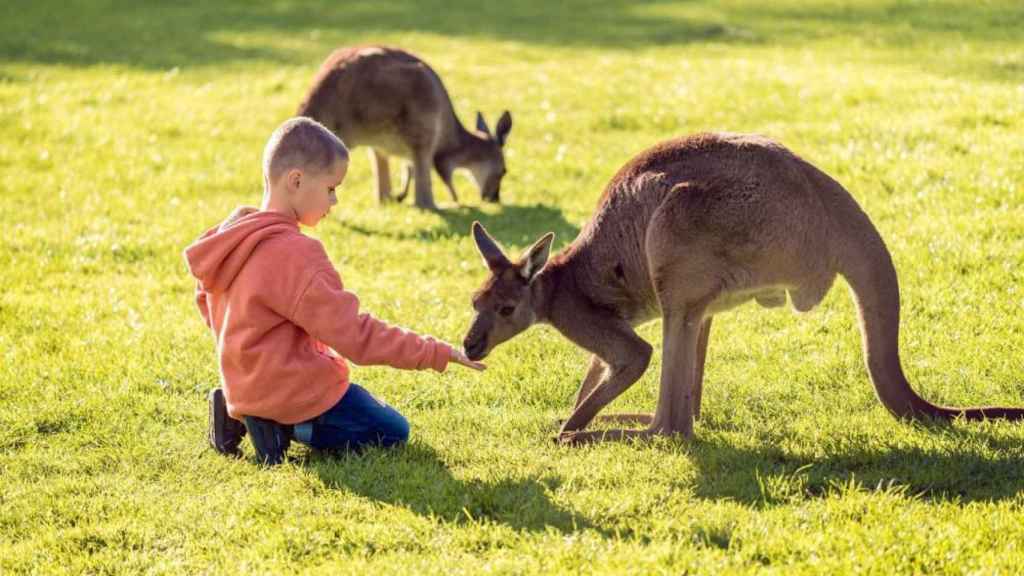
311 192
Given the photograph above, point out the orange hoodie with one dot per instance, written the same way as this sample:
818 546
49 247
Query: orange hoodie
284 322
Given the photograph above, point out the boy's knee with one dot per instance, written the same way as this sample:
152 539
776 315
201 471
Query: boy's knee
397 431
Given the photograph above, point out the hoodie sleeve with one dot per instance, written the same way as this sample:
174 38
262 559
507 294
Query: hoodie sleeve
331 314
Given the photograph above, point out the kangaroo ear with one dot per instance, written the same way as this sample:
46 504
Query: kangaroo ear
481 125
502 129
537 256
493 256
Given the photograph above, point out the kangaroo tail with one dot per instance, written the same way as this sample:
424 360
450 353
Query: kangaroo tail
867 266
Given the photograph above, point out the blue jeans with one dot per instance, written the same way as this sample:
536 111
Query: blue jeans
357 420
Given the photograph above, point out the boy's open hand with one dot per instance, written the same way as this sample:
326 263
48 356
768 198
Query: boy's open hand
459 357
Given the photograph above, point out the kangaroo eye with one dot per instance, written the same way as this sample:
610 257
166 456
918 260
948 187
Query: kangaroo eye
506 310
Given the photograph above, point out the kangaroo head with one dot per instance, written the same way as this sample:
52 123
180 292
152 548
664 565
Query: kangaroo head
487 161
505 303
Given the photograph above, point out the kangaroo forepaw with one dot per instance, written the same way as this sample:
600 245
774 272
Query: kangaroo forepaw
579 438
568 438
639 418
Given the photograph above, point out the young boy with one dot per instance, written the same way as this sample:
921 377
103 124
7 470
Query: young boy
283 322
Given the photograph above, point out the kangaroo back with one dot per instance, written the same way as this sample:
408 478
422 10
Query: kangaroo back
380 97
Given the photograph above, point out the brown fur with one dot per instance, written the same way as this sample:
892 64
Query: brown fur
687 229
395 103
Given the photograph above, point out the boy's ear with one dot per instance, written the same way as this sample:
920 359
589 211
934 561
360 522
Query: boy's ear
293 179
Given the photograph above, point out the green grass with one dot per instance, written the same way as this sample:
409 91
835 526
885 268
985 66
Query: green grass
126 129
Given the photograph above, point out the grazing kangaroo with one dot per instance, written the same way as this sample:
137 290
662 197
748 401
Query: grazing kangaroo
687 229
394 103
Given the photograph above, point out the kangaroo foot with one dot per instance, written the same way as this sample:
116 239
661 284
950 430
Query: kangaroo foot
579 438
428 208
626 418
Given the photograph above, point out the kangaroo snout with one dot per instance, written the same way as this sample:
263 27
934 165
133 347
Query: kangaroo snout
476 348
493 195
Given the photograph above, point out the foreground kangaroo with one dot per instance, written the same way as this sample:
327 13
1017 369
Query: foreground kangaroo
688 229
394 103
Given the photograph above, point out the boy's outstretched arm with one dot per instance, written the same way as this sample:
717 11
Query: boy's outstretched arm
331 315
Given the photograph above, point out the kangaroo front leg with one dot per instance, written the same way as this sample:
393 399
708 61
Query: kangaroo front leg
598 371
421 174
630 361
451 190
674 415
594 375
406 181
379 161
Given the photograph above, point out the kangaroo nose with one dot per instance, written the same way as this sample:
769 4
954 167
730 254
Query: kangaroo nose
495 197
474 348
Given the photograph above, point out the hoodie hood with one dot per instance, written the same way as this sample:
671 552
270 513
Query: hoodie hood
216 258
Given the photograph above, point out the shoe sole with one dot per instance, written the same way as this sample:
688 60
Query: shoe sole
218 412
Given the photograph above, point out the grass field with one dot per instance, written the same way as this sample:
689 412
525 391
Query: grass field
127 128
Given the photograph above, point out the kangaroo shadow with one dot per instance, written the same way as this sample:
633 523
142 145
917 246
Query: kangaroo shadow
514 224
769 476
416 478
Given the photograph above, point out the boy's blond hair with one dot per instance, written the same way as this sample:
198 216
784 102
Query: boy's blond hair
300 143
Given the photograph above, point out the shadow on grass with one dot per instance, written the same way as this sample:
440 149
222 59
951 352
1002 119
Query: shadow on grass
414 477
768 476
160 35
512 224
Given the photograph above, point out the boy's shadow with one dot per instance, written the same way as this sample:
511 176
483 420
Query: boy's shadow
512 223
414 477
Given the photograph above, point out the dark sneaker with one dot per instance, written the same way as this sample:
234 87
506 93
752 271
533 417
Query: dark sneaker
270 439
225 433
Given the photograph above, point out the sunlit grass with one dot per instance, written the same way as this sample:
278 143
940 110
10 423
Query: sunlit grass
126 129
